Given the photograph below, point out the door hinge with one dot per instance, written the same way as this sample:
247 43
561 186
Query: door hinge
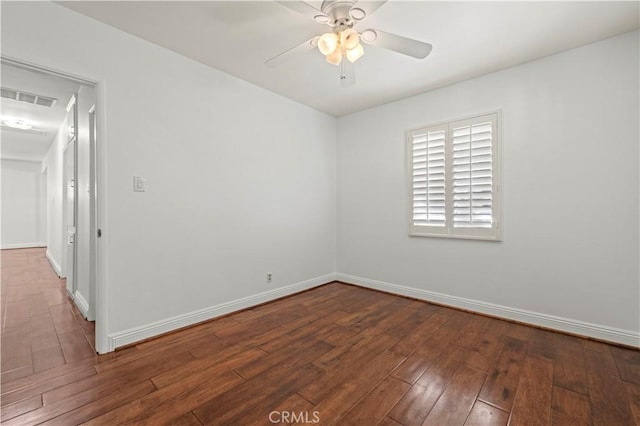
99 233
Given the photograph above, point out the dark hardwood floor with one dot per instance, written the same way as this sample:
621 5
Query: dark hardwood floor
336 354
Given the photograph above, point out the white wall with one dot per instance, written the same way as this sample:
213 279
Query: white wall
570 190
21 204
241 181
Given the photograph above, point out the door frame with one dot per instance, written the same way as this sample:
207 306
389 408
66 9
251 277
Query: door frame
99 277
70 273
44 207
93 206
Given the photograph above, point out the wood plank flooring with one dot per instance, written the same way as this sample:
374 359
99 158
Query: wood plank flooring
337 354
41 329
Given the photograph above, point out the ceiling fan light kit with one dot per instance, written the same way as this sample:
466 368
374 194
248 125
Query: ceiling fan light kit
344 41
337 45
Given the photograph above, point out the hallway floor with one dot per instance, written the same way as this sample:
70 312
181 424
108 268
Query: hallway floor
41 327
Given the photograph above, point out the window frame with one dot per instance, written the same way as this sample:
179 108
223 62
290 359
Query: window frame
449 231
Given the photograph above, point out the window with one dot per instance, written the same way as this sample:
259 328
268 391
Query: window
454 179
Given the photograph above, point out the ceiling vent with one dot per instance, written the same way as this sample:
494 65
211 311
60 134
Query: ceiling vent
29 98
32 131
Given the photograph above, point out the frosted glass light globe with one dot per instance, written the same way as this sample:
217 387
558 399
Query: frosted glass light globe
355 53
349 38
335 57
328 43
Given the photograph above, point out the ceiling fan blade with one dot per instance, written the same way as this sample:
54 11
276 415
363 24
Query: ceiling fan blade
306 9
406 46
347 73
292 53
364 9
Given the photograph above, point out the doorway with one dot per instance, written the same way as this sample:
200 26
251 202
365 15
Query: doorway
71 184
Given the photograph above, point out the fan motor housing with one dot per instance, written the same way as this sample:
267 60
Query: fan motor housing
338 12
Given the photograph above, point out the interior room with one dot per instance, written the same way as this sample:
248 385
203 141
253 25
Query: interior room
329 212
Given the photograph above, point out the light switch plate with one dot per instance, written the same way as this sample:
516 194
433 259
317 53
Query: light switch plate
139 184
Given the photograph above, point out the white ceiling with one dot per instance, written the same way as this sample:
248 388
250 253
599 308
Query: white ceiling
24 145
469 39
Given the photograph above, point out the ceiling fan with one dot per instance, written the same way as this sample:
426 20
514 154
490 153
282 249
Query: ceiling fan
341 46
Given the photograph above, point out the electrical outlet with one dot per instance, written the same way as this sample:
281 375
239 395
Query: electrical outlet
269 277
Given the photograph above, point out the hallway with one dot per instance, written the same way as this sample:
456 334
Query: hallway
41 327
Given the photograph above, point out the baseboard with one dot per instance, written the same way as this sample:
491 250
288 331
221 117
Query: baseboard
56 267
143 332
22 245
597 331
81 303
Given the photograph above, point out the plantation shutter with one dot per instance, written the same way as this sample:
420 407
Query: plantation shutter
453 179
472 174
428 186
